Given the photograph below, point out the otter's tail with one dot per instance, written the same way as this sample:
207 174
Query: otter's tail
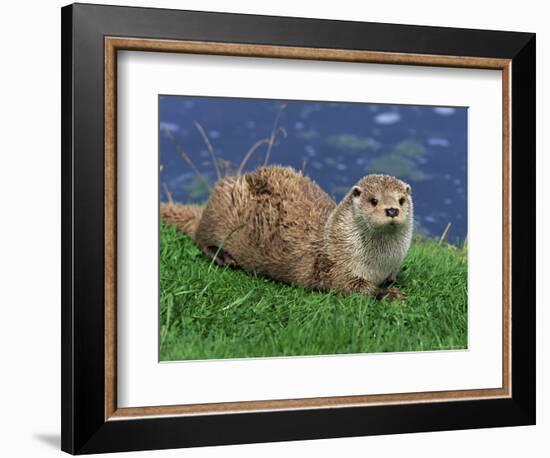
185 217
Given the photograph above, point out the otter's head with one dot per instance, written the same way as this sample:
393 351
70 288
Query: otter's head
382 202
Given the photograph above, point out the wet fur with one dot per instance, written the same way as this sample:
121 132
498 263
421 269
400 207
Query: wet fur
280 224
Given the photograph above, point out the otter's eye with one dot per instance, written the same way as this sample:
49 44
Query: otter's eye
401 201
373 201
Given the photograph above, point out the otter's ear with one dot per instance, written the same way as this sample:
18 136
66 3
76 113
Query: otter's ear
408 189
356 191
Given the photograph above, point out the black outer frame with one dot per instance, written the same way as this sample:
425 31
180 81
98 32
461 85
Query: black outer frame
83 425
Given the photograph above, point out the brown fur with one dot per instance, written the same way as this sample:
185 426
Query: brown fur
185 217
280 224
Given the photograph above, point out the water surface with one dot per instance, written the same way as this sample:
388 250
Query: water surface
334 143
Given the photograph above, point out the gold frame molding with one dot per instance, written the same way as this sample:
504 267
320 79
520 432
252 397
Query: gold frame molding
114 44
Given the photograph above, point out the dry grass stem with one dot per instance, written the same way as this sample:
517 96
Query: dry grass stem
247 156
186 158
168 193
274 132
445 233
210 148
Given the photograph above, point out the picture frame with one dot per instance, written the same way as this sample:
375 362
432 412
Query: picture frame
92 35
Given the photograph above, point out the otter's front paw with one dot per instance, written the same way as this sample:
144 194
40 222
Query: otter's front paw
392 294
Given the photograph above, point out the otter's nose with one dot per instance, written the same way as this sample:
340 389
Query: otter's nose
392 212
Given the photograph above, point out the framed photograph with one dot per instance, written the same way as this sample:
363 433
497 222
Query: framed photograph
281 228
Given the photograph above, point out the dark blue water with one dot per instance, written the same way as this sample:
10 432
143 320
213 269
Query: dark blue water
334 143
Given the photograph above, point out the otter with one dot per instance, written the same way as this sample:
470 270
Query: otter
278 223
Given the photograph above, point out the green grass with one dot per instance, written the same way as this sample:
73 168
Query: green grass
214 312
